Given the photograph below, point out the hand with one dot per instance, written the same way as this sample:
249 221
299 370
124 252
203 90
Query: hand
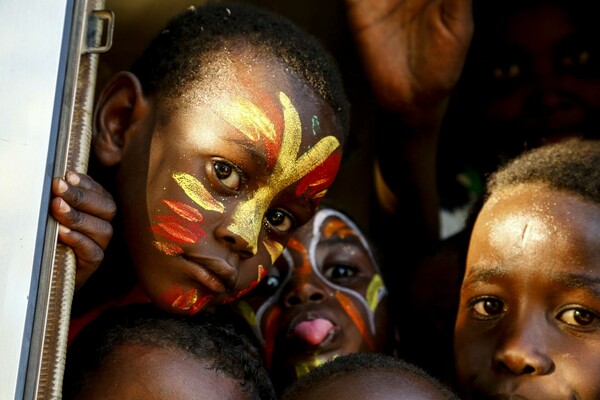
84 210
413 51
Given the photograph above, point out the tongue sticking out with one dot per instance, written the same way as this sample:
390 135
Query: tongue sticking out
314 331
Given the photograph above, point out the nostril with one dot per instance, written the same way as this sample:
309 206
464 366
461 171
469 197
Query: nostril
316 297
528 370
293 300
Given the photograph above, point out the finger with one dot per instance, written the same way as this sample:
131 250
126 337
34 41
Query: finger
96 229
88 254
95 202
84 181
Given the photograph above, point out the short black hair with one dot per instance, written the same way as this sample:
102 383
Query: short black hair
206 336
192 38
357 362
572 165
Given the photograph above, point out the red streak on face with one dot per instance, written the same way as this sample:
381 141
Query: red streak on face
314 185
262 272
178 229
184 210
351 310
188 301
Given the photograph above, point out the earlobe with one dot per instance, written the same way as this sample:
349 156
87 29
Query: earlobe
120 106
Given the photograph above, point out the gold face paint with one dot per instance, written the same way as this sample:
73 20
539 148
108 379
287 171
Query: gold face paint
375 291
196 191
307 366
288 169
246 312
274 248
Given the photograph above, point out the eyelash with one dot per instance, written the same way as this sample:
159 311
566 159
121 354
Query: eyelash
484 314
232 178
580 312
225 172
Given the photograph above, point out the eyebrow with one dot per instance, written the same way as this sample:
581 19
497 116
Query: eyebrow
256 155
587 282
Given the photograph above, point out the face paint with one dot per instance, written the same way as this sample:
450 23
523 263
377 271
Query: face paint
307 366
189 301
288 169
353 312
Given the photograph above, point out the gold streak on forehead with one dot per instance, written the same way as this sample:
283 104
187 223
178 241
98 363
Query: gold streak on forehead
288 169
248 119
197 192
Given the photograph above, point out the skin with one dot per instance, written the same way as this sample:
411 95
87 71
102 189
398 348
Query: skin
84 210
327 272
376 385
528 323
413 53
540 80
213 183
134 371
550 93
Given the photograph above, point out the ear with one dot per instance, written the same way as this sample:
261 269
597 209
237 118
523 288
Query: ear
120 107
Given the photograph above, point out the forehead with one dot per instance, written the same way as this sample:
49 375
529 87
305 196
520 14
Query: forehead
256 76
533 223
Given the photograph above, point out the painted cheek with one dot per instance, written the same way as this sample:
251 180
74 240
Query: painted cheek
315 184
190 301
356 317
185 226
375 292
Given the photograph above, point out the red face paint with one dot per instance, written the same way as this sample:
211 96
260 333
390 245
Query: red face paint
314 185
354 314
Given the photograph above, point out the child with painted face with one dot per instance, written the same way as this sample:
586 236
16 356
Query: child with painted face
325 298
223 138
528 323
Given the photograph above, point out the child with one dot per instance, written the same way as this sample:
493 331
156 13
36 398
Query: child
138 351
528 322
325 298
369 376
223 139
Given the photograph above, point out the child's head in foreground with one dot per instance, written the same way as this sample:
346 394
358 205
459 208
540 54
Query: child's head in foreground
140 352
528 323
324 298
368 376
224 136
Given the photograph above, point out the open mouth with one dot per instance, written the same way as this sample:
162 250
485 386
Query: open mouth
315 331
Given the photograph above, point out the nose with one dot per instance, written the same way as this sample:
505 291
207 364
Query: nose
523 351
235 242
304 293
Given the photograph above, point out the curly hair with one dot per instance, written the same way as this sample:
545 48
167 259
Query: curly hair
571 165
359 362
210 339
192 39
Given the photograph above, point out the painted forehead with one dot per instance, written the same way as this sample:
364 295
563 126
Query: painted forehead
330 224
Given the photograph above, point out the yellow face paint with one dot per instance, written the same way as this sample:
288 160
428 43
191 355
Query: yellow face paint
307 366
196 191
246 312
374 292
288 169
274 248
248 119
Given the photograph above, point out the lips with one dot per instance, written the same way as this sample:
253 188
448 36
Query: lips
217 276
313 331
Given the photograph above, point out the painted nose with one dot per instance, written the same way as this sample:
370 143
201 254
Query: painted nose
523 352
235 242
307 292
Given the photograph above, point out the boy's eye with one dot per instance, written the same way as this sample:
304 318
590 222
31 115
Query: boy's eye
339 271
227 174
489 307
578 317
279 220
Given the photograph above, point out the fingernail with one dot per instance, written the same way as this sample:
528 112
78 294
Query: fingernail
63 206
62 186
63 229
72 178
